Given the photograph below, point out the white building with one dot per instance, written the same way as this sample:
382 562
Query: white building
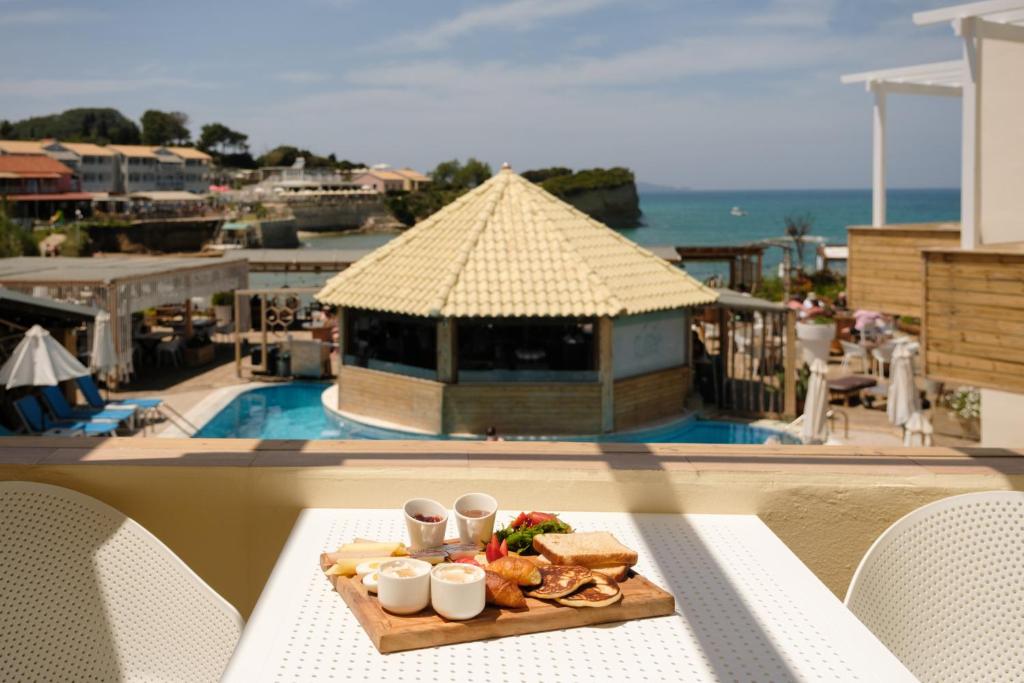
145 168
96 166
197 174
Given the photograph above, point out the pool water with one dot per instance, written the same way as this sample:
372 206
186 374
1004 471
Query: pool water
294 411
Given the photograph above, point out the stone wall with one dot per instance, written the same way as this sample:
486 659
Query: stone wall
166 236
341 213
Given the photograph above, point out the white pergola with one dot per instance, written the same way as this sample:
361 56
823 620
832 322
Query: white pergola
1002 19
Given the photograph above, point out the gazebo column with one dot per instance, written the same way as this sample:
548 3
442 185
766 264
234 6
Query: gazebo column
447 356
605 373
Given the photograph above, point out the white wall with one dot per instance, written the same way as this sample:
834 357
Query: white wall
645 343
1001 141
1001 423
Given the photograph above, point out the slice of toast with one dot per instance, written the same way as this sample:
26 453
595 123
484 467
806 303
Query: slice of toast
584 548
616 572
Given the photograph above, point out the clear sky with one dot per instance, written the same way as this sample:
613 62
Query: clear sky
704 93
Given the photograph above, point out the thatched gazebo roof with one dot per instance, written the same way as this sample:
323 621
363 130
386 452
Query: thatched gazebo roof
508 248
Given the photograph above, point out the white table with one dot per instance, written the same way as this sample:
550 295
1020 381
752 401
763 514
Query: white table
746 609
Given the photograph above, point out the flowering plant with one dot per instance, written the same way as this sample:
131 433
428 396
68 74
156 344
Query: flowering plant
965 402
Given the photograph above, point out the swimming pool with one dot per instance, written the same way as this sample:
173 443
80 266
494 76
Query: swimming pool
294 411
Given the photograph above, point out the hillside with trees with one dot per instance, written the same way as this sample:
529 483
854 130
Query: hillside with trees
99 125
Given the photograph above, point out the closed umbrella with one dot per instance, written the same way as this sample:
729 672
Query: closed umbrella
902 399
39 360
103 359
815 423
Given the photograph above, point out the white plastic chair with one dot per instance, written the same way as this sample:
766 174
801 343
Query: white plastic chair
883 356
943 588
857 352
89 594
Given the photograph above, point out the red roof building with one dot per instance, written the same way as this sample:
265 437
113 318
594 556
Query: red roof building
36 185
25 175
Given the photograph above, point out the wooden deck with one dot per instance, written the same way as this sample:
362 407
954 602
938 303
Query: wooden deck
885 270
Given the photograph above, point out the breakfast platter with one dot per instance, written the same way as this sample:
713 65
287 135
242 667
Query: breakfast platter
536 573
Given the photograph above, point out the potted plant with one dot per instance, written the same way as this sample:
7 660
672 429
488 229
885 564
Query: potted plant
909 324
223 307
964 404
815 337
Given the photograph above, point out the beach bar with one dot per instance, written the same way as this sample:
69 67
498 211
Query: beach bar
511 309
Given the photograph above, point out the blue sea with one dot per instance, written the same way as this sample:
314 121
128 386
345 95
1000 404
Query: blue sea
703 218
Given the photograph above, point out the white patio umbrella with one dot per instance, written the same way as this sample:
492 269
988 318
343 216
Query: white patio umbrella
815 423
39 360
902 400
103 359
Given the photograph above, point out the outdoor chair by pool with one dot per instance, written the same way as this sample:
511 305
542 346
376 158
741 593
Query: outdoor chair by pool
856 352
95 596
54 399
882 356
150 407
38 422
942 588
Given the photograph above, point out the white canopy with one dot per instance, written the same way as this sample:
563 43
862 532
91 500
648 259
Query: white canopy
815 423
103 358
902 400
39 360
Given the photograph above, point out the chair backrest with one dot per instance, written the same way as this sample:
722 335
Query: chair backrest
884 351
97 597
943 588
90 391
59 406
31 413
851 349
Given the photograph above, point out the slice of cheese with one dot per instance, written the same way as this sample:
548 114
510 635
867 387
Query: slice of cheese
369 549
346 566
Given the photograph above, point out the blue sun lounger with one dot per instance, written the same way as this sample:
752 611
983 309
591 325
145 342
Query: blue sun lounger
92 395
38 422
54 399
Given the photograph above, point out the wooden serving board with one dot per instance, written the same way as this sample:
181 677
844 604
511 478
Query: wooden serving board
391 633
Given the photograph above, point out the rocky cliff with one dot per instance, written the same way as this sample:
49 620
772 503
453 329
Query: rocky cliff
616 207
606 194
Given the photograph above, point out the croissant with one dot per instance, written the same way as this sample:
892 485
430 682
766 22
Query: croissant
501 592
518 569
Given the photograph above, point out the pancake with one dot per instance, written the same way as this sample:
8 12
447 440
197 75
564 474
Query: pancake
603 592
558 581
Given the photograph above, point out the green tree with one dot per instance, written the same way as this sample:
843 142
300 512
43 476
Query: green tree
165 127
218 139
6 129
798 226
14 240
542 174
454 175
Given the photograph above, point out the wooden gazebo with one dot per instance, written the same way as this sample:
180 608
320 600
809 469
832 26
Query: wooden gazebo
509 308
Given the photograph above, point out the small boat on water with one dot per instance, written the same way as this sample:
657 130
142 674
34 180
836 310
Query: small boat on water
737 211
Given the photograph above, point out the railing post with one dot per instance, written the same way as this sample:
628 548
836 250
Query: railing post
789 380
606 373
238 336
